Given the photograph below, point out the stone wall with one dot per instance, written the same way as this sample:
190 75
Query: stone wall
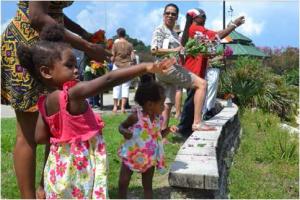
200 169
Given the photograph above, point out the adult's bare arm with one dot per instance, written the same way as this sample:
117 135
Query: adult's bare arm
76 28
38 16
236 23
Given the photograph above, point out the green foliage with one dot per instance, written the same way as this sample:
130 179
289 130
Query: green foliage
193 47
266 164
292 76
257 86
282 60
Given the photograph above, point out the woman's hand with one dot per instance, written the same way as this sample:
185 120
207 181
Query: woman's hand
97 52
178 49
239 21
161 66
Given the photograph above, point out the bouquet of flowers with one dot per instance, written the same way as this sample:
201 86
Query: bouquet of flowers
94 67
201 44
98 68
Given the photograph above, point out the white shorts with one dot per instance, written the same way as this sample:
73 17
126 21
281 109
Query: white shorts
177 76
121 91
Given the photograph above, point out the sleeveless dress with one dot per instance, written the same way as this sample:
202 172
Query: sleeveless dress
18 88
76 166
145 148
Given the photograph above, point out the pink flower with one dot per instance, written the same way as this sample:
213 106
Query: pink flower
52 176
52 196
77 148
80 162
140 158
61 168
57 156
228 51
86 144
150 147
100 194
53 148
77 193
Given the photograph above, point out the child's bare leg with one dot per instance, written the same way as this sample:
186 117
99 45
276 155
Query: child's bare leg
147 178
124 179
166 115
24 153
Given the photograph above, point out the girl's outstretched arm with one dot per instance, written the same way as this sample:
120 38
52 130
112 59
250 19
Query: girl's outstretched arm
85 89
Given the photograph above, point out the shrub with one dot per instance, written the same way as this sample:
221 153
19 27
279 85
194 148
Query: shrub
282 60
292 76
257 86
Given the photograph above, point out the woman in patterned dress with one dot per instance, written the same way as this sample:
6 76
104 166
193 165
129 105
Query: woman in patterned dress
18 88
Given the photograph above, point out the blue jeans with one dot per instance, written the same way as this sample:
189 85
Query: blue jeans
187 115
94 101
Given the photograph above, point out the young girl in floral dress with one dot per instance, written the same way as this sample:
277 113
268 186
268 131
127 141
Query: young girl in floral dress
143 147
76 165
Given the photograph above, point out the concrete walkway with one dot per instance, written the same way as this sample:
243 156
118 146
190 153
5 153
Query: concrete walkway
8 112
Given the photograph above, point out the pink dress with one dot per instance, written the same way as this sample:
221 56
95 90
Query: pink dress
145 148
76 166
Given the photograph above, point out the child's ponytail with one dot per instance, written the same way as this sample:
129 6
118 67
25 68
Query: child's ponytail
44 52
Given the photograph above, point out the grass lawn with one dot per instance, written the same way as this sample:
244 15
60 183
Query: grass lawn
265 166
9 189
267 163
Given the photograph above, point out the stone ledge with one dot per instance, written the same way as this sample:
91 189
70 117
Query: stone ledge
200 160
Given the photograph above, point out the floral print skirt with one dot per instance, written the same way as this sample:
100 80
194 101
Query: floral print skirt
77 170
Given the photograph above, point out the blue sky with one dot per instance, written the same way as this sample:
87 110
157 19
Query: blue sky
268 23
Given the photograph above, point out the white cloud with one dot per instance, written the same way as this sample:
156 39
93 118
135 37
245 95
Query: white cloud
111 16
138 22
254 12
4 25
251 26
217 24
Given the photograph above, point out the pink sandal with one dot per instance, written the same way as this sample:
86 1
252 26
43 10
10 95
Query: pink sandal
203 127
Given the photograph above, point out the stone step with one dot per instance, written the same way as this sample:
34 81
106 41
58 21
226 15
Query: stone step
196 165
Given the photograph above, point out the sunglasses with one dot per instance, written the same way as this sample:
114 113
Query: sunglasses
170 13
202 16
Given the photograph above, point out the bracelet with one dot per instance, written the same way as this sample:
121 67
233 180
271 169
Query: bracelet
233 24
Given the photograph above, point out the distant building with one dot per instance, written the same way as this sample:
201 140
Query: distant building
241 46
